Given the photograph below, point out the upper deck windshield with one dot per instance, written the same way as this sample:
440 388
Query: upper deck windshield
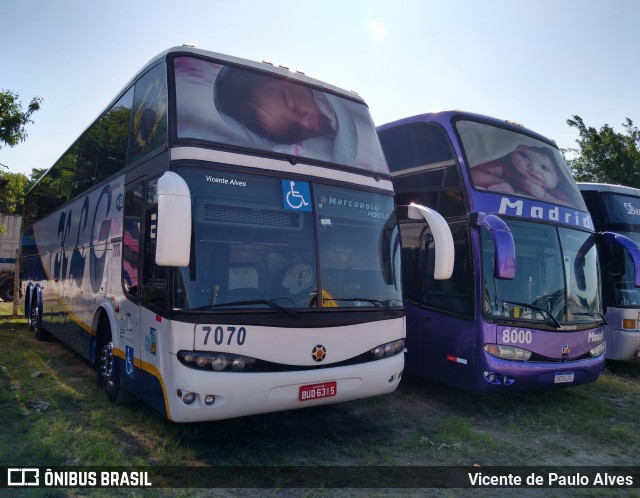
224 104
255 245
556 276
505 161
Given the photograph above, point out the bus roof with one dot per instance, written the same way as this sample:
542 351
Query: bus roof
281 70
608 187
445 117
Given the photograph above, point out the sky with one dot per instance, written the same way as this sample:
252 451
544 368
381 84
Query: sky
537 63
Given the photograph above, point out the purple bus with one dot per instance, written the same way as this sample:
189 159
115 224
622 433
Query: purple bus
522 310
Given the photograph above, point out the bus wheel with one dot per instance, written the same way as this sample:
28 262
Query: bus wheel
107 374
35 323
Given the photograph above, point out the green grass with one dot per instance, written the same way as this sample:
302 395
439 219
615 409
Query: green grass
54 414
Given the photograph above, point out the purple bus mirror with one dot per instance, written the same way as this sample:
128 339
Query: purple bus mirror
505 263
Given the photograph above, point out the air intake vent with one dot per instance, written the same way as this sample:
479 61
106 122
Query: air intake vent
246 216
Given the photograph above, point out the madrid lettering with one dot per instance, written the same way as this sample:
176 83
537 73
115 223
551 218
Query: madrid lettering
556 213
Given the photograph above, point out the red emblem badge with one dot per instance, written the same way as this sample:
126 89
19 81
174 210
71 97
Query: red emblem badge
319 352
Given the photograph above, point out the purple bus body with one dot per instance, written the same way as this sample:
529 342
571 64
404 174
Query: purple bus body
448 348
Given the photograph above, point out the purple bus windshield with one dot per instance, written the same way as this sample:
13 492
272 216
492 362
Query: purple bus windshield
507 162
239 107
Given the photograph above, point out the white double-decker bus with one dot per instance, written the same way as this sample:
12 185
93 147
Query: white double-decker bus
220 242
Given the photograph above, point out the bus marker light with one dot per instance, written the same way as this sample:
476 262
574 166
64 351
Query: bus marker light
456 359
629 324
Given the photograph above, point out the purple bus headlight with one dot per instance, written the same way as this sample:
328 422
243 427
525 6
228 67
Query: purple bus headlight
507 352
599 350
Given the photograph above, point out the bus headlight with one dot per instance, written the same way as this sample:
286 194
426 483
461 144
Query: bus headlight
388 349
507 352
218 362
599 350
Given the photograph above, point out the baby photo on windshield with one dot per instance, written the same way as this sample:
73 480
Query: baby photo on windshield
528 171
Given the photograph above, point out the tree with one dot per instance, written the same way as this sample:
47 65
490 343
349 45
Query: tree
12 189
12 118
605 156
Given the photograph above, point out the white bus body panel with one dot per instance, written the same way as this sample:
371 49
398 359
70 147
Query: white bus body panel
159 340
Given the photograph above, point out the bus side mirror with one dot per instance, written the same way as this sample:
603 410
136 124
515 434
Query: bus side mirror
442 238
173 235
578 264
505 264
631 247
388 247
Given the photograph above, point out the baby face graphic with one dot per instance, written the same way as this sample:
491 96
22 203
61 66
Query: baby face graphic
288 112
537 172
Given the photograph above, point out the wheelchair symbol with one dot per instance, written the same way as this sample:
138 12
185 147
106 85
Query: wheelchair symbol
296 196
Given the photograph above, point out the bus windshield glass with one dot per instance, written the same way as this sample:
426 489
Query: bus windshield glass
555 282
254 245
506 162
623 213
224 104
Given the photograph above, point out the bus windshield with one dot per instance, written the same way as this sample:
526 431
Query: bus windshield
555 282
623 215
626 293
504 161
223 104
254 245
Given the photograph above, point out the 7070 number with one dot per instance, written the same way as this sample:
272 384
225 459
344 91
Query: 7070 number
231 332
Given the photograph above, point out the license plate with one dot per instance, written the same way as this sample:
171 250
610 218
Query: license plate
317 391
562 377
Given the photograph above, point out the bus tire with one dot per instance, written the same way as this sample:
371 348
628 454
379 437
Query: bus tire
35 323
108 375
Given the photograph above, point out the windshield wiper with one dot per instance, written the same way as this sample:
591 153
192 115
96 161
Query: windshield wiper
592 313
269 302
537 308
376 302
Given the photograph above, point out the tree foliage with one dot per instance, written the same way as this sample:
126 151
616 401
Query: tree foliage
605 156
12 189
13 119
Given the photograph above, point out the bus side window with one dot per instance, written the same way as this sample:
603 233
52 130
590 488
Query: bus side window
131 240
154 277
454 295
